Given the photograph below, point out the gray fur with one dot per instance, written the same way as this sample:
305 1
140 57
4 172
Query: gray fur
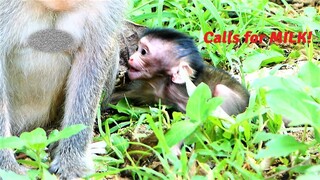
38 89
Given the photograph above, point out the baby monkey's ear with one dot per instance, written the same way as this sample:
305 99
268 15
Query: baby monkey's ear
182 73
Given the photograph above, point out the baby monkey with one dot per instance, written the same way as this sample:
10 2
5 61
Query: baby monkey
159 68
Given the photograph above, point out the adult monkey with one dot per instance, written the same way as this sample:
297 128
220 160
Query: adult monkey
53 68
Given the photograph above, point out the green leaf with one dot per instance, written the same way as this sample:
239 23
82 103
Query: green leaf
252 63
310 73
65 133
294 105
197 177
281 146
120 142
246 174
195 104
272 57
12 142
201 104
294 54
177 116
256 60
33 173
309 177
273 82
311 173
122 106
48 176
310 11
317 135
315 93
180 131
35 139
263 136
276 48
9 175
222 146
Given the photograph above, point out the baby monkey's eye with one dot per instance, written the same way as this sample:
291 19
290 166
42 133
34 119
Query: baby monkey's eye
143 52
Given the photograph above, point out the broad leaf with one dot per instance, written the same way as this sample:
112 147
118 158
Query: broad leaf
255 61
180 131
12 142
201 104
65 133
273 82
36 139
281 146
120 142
294 105
310 74
9 175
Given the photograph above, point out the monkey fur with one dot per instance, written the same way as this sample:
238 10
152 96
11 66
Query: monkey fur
154 71
40 89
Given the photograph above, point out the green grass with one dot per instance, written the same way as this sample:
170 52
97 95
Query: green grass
244 150
197 17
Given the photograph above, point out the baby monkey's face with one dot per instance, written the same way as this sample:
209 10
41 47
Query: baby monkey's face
154 57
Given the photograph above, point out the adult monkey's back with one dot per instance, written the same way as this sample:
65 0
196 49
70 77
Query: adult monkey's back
55 58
